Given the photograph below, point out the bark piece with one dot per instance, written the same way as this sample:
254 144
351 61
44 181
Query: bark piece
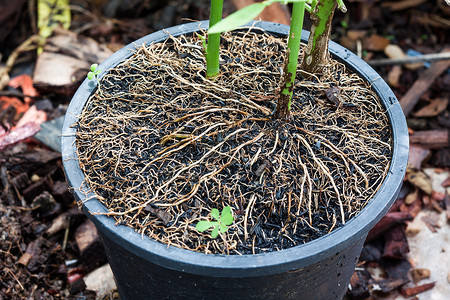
396 268
72 217
60 190
35 189
436 138
91 248
19 134
396 244
33 250
389 220
422 84
417 154
409 292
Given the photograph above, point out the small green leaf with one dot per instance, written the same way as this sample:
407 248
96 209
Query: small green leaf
226 217
94 67
215 213
90 75
223 228
239 18
97 71
215 232
203 39
204 225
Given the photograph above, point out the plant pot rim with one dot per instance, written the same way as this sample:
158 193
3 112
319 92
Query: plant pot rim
242 265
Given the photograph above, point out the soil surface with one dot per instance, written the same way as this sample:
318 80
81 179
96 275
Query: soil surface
162 146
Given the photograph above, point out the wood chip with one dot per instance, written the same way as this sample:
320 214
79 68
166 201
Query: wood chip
437 138
422 84
396 244
417 154
92 253
389 220
409 292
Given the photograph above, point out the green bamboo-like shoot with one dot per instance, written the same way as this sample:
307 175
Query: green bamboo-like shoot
316 52
212 50
287 84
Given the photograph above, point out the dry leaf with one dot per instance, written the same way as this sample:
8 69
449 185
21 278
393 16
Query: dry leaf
395 52
394 76
411 197
433 109
419 274
375 43
420 180
160 214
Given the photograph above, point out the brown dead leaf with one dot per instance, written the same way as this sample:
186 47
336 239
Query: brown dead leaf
419 274
165 217
395 52
420 180
411 197
433 109
432 221
375 43
394 76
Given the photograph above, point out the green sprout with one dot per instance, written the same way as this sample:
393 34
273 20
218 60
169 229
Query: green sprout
94 72
223 221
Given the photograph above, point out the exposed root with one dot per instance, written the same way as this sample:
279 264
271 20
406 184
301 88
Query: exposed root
161 146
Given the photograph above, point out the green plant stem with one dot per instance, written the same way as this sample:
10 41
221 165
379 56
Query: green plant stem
316 52
212 50
290 68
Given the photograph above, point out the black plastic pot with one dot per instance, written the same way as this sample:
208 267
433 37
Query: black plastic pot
321 269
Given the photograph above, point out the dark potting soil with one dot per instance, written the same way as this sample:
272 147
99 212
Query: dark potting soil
161 146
